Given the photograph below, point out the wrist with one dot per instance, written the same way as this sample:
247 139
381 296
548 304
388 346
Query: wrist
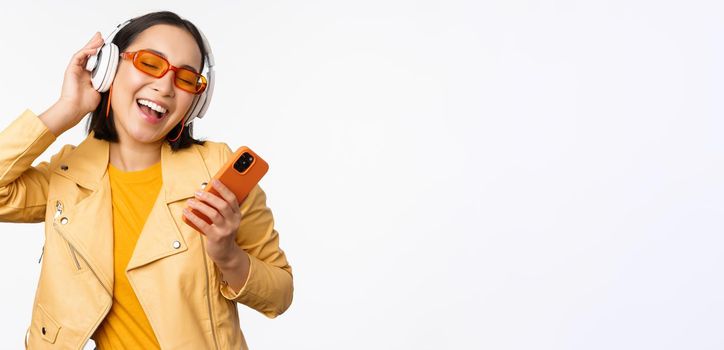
235 271
55 118
231 259
68 109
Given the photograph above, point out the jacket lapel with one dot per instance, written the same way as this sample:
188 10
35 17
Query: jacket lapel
183 173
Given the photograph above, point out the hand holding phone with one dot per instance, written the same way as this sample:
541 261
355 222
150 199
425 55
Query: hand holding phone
240 174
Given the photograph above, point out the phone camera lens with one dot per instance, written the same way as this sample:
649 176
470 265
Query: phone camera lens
243 162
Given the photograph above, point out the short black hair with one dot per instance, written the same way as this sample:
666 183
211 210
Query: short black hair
102 126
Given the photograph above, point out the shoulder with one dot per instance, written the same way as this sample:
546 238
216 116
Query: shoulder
62 155
214 152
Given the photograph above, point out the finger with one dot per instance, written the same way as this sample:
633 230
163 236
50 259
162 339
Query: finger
200 223
226 193
95 35
216 202
94 39
82 55
207 210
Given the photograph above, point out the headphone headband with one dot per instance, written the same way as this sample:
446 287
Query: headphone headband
116 30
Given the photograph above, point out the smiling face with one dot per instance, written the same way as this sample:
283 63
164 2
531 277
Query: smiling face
134 126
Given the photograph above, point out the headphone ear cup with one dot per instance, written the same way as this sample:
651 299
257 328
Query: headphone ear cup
203 104
199 105
111 62
191 114
106 62
98 67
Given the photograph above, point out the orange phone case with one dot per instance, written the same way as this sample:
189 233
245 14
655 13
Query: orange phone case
241 183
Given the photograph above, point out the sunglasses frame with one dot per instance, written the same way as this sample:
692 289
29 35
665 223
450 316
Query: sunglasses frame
133 56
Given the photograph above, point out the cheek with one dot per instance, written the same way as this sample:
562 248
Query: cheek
125 86
127 76
183 103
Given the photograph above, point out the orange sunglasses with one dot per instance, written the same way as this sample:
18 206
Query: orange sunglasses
156 66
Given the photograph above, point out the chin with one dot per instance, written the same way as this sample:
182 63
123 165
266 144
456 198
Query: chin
143 139
146 135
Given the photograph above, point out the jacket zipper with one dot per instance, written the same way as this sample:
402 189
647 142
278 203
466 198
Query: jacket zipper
58 211
208 292
110 293
75 257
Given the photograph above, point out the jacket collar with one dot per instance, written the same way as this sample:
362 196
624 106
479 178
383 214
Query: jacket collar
183 171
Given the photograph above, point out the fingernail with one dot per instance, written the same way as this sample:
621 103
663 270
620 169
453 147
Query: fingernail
198 193
217 182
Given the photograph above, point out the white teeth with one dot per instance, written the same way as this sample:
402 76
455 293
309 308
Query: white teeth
152 105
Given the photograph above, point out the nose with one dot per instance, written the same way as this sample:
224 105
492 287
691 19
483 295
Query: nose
165 84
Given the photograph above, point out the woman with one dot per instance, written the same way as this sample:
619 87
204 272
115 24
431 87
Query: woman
119 265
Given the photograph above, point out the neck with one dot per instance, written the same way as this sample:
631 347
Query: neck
138 156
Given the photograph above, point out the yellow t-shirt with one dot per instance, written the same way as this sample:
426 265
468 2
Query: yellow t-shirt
133 194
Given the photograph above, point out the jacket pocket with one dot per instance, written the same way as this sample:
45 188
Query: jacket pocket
47 326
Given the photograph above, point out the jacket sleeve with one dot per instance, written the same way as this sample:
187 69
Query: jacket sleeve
268 288
24 188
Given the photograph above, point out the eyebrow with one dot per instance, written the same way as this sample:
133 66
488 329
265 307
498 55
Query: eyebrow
164 56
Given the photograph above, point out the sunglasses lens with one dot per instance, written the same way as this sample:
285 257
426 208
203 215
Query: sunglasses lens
151 64
188 80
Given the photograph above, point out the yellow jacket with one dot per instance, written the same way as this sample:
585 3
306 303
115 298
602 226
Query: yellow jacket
176 282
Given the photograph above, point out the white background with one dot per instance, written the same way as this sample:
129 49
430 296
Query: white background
448 174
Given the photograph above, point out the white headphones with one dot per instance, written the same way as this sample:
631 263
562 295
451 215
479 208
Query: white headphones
104 63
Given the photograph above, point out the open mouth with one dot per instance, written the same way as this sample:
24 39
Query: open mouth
150 111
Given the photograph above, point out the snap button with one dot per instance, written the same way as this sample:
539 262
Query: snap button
63 167
64 221
176 244
203 185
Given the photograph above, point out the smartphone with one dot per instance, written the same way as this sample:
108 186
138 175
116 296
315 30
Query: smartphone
240 174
